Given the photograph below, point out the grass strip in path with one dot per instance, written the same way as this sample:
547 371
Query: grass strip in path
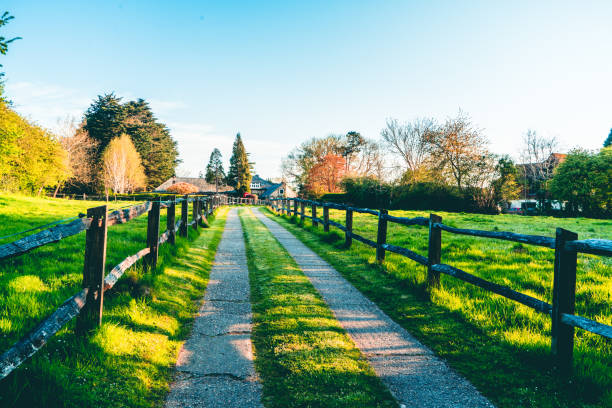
508 375
215 365
414 375
129 360
304 357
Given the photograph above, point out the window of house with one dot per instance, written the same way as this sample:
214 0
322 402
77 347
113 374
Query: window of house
281 191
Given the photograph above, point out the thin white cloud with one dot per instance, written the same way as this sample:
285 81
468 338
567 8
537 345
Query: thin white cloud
44 104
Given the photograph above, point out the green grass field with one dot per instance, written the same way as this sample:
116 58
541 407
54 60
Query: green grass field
128 361
501 346
302 354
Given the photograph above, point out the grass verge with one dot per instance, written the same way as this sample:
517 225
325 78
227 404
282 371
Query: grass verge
302 353
129 360
500 346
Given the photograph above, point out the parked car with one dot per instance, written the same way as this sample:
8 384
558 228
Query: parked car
529 208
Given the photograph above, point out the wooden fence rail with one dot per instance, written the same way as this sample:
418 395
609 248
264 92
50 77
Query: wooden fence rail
565 244
88 305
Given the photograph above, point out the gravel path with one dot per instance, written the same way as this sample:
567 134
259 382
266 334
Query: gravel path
215 365
414 375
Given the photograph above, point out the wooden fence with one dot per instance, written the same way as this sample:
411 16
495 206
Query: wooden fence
565 244
88 304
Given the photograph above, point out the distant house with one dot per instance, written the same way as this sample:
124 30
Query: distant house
533 175
267 189
196 181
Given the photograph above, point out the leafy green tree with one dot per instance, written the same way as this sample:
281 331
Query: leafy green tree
506 187
108 118
153 141
608 141
239 174
214 170
104 120
31 159
584 182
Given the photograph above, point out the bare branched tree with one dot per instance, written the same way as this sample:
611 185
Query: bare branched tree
81 150
536 153
369 162
410 142
458 148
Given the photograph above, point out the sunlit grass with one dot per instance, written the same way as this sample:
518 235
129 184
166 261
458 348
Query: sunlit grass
501 346
128 361
302 353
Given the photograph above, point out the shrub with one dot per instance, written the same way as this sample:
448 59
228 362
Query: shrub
183 188
368 192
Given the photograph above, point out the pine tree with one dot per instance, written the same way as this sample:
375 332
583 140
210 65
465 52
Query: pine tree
214 170
608 141
239 174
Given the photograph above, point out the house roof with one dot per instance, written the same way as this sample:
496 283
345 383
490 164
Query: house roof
263 182
271 189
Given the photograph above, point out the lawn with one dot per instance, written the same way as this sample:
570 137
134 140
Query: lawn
501 346
128 361
302 354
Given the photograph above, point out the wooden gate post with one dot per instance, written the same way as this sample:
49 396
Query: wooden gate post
314 215
93 271
325 218
150 259
170 220
194 213
434 251
564 300
381 236
184 216
348 237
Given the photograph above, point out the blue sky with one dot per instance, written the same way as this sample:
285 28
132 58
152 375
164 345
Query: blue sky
282 72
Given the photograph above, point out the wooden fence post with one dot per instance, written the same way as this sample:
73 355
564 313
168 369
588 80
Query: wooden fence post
184 216
314 215
348 238
564 299
150 260
93 271
295 205
325 218
434 251
302 211
170 220
194 213
381 236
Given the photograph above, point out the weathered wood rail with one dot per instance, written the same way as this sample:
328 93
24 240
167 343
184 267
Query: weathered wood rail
565 244
87 305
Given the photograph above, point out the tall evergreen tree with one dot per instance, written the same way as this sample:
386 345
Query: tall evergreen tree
215 174
608 141
239 174
108 118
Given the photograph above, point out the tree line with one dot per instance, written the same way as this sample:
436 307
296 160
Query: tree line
447 165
